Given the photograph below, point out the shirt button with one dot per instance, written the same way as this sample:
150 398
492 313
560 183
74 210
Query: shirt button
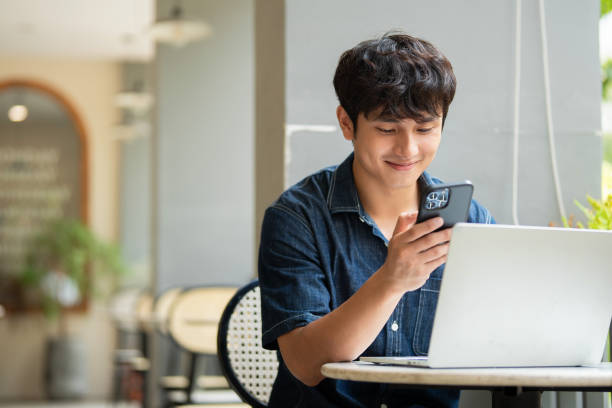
383 405
394 326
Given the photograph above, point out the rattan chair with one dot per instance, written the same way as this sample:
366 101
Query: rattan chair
193 322
175 381
248 367
170 383
161 308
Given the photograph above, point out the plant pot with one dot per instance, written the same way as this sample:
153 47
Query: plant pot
65 368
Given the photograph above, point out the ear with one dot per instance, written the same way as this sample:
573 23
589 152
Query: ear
345 122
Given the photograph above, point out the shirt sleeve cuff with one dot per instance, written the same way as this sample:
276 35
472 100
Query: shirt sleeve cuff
269 336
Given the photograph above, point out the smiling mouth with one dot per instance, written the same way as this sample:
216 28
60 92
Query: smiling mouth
402 166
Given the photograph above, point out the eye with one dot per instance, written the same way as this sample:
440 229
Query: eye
424 130
384 130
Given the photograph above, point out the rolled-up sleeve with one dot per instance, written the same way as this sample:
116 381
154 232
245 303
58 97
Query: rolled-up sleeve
293 284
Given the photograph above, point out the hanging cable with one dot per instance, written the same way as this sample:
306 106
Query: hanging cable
549 121
517 99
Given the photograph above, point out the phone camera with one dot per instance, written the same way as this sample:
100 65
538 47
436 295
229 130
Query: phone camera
437 199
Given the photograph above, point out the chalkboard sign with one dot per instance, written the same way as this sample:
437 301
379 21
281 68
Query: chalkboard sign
43 174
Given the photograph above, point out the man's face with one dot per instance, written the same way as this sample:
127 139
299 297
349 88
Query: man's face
390 152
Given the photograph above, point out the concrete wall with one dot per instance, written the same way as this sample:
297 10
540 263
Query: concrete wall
478 38
90 87
205 150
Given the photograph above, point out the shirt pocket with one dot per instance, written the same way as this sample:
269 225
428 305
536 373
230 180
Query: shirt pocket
428 300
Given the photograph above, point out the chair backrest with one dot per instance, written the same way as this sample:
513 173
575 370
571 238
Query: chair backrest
194 317
249 368
122 308
161 308
144 312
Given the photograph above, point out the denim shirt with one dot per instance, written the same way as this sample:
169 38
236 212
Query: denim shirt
318 247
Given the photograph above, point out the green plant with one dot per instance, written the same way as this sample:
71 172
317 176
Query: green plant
606 178
65 264
599 216
606 6
606 80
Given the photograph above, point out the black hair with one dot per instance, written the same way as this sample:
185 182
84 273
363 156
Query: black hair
400 75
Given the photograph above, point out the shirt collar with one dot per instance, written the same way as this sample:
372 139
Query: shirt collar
343 197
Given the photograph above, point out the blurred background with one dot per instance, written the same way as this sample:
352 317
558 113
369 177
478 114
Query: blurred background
141 141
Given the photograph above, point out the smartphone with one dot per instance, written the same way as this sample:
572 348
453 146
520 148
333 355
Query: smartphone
449 201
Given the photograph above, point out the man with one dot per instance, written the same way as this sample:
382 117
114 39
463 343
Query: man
343 268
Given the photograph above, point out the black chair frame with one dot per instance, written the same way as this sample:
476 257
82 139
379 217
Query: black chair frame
223 355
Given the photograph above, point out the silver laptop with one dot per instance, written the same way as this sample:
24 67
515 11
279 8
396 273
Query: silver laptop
521 297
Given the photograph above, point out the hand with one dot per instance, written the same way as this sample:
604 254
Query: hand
415 251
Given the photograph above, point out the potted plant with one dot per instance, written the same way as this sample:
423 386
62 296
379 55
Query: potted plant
65 265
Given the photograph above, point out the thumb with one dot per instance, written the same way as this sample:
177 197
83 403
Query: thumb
404 222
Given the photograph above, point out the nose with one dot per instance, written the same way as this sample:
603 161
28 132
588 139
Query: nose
406 144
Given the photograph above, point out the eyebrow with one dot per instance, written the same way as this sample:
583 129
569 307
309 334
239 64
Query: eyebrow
390 119
427 119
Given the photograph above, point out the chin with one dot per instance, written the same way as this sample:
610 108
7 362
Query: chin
405 179
398 185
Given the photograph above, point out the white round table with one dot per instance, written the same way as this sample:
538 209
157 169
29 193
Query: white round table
511 387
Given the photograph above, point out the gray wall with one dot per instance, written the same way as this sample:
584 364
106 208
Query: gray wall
135 210
205 182
478 38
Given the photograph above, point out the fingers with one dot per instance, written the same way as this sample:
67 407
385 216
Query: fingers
422 236
416 250
432 240
423 228
419 237
427 267
432 265
434 253
404 222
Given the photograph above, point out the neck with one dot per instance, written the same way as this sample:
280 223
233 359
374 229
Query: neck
382 202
